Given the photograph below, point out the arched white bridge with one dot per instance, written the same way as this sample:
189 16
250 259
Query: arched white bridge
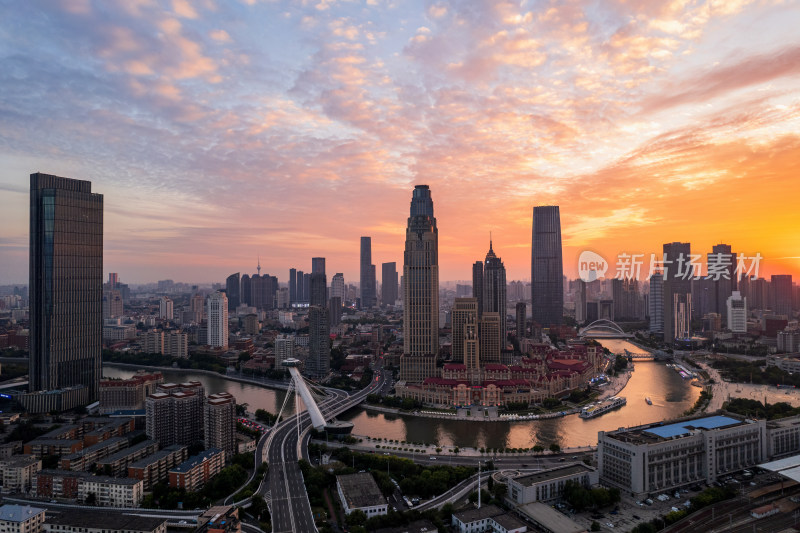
604 329
300 387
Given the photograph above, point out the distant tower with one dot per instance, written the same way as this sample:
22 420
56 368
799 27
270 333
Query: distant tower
420 290
292 285
300 292
521 316
465 312
165 308
477 284
388 283
677 291
656 303
781 294
493 299
367 279
318 363
726 284
547 284
217 304
232 287
737 312
337 287
258 268
245 288
66 293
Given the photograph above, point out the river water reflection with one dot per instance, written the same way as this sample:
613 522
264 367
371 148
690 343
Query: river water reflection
671 396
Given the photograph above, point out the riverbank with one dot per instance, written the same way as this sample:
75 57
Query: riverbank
372 445
266 383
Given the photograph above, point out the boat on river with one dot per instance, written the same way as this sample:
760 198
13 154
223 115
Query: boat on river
648 400
597 409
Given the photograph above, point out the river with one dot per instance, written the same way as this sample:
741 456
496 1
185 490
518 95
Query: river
670 394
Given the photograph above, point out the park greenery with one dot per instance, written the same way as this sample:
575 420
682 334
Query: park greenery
756 409
754 372
407 404
581 498
701 403
195 361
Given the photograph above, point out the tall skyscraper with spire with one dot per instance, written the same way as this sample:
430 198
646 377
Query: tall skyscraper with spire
420 290
493 299
547 281
66 293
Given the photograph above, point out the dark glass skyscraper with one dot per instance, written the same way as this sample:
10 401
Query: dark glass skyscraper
547 283
292 285
318 363
367 279
677 285
493 299
66 292
232 287
388 283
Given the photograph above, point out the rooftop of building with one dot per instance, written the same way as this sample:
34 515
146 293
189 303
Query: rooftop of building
552 474
105 520
360 490
159 455
195 460
660 432
53 442
549 519
113 441
417 526
18 513
125 452
19 460
87 476
472 515
509 522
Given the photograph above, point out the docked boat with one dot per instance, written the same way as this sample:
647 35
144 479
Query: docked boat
597 409
648 400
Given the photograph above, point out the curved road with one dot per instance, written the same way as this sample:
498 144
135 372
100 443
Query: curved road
289 504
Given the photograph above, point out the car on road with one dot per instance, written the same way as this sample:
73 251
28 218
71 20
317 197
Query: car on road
434 458
385 453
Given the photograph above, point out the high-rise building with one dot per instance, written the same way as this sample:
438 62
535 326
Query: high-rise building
306 288
300 291
292 285
420 290
113 306
338 288
232 289
522 311
317 265
220 423
489 332
464 313
66 293
547 284
656 303
367 279
284 349
737 312
318 363
781 294
493 299
725 282
245 291
335 310
166 308
174 413
218 320
477 284
677 291
388 283
580 301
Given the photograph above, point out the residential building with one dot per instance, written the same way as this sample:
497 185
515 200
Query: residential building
78 486
789 340
117 394
66 293
337 287
17 472
656 303
175 413
284 349
166 308
737 312
420 290
193 473
522 311
547 284
218 320
21 519
781 294
318 362
155 468
360 492
117 463
113 306
220 423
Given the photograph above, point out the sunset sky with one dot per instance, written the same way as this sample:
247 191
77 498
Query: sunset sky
220 131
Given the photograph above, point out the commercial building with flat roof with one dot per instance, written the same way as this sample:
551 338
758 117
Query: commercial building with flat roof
73 521
197 470
548 485
548 519
657 457
475 520
360 492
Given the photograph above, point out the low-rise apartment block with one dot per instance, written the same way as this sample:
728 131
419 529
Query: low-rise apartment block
196 471
17 472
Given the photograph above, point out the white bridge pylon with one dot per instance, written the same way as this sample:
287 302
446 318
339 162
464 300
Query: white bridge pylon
317 420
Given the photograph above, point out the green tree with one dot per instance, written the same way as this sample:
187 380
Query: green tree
555 448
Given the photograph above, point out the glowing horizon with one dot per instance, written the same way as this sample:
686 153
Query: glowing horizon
219 132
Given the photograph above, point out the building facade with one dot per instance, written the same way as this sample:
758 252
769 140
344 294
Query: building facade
388 283
66 288
217 304
677 288
420 290
547 285
220 423
367 279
